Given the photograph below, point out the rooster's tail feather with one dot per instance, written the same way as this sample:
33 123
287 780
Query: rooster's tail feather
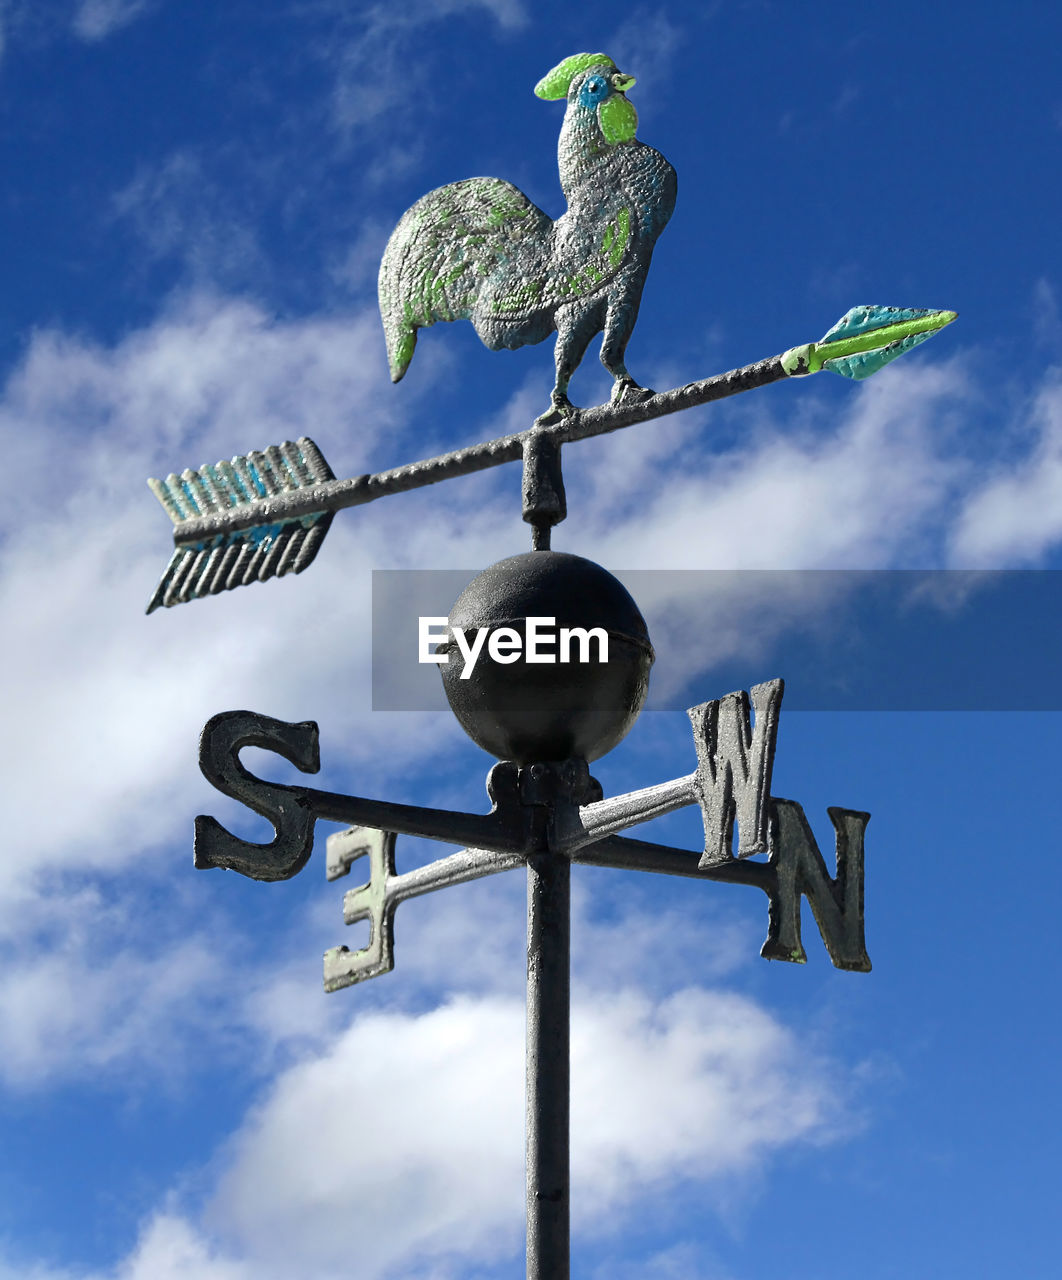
464 252
401 338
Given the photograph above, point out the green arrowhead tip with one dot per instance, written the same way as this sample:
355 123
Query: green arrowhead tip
865 340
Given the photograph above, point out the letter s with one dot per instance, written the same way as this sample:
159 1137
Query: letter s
287 808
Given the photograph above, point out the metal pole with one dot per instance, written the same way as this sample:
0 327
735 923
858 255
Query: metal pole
548 999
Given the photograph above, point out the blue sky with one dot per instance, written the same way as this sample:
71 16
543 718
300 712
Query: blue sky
196 198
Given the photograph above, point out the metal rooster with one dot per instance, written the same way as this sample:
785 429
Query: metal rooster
480 250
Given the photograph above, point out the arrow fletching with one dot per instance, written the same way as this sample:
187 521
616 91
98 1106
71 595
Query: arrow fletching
865 340
249 555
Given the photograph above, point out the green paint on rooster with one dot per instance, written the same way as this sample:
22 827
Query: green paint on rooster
556 83
501 211
403 354
618 119
527 295
616 237
444 282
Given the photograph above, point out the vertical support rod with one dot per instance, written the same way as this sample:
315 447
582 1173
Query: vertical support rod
542 486
548 998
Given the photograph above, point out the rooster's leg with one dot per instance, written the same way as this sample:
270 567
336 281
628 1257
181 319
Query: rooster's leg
619 324
574 332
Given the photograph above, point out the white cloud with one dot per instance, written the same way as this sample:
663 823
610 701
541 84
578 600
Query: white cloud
171 1249
97 19
876 489
865 493
683 1260
399 1151
1015 517
407 1136
104 706
645 44
177 209
378 57
100 704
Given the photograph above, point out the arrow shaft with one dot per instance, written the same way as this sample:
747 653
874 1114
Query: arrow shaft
583 424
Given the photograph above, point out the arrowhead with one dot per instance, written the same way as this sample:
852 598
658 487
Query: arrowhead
865 319
868 338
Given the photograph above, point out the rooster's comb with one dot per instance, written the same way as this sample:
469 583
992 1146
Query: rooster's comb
557 83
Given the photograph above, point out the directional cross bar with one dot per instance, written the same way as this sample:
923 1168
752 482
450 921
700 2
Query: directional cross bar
551 811
542 808
795 868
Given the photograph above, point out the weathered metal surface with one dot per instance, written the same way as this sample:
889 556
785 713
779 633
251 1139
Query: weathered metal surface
734 764
547 1067
198 532
542 490
794 869
293 810
378 899
732 781
575 695
372 902
837 903
543 808
480 250
257 553
222 739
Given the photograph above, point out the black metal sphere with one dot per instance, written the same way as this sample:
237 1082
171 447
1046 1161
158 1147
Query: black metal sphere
535 711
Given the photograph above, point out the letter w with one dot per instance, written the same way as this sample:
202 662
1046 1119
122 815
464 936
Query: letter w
734 763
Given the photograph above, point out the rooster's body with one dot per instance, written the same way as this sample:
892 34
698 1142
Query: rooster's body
479 250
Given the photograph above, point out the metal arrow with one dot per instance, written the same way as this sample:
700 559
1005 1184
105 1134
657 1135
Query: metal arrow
265 514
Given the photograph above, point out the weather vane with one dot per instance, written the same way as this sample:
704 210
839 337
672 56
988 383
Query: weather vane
545 658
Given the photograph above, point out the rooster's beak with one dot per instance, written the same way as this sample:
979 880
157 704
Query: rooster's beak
620 82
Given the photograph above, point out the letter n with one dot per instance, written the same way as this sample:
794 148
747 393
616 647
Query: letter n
734 763
799 869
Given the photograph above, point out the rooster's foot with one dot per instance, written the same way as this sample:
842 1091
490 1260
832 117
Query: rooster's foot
560 408
627 391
